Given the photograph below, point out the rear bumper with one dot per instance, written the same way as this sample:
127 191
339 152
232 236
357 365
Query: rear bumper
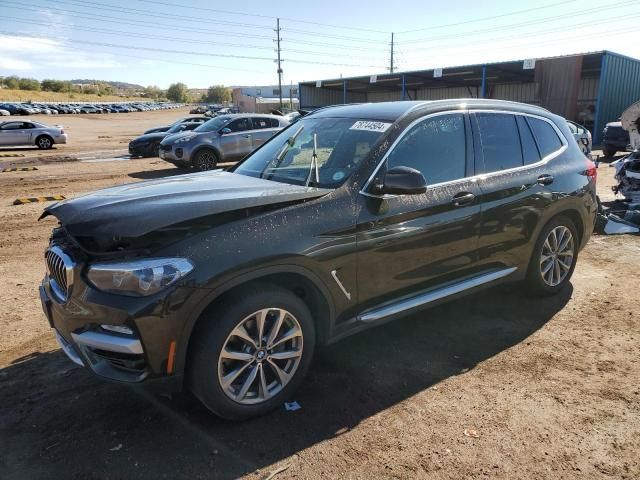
60 138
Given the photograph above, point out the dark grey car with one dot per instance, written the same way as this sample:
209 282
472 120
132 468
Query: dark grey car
226 138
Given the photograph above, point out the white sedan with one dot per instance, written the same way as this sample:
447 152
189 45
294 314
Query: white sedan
18 132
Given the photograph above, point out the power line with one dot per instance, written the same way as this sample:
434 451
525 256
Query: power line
154 24
527 23
229 12
184 40
138 23
516 12
528 35
147 13
142 35
184 52
539 44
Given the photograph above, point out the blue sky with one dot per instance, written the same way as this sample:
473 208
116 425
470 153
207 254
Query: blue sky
202 43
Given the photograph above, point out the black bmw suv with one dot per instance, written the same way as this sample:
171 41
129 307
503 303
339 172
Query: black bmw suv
226 281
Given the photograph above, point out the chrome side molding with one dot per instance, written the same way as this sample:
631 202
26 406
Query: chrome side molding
410 303
334 274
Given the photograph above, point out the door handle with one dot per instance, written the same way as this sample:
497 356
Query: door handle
545 179
247 136
463 198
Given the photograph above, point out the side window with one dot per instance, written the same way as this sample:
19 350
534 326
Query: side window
260 123
546 136
28 125
12 126
500 142
529 149
436 147
275 123
240 125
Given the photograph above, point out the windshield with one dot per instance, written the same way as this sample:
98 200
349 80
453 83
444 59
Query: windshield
341 144
212 125
178 128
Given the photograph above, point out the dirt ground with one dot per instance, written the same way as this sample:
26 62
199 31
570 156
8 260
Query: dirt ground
552 387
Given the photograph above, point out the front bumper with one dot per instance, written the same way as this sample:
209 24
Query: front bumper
140 358
176 156
140 150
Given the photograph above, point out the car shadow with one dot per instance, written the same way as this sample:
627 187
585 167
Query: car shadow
165 172
24 149
59 421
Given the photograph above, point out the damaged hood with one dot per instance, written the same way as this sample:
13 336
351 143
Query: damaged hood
135 209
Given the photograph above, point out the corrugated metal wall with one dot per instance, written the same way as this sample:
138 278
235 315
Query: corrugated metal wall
312 97
515 92
619 88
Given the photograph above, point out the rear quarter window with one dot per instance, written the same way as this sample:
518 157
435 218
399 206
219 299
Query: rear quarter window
546 137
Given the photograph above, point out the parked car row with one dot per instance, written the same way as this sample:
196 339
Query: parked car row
70 108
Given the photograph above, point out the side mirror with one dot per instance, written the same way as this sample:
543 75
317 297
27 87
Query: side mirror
225 131
403 181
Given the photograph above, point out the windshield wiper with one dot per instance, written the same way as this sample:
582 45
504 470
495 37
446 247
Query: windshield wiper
314 163
289 143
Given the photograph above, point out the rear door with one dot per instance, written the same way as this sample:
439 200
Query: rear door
262 130
236 144
515 181
410 242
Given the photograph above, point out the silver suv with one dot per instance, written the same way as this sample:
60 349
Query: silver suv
226 138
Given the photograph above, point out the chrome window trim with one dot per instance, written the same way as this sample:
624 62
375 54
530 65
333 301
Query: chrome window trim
473 178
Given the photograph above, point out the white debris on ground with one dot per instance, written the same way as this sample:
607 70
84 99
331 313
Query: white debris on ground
628 176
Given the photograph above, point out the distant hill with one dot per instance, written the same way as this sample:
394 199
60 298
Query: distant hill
118 85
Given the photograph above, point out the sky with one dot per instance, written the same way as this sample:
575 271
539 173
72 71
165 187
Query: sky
207 42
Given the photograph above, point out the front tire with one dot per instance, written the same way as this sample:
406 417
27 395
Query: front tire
44 142
205 159
609 152
251 353
554 258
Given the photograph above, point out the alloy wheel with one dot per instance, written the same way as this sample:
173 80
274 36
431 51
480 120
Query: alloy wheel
557 256
206 160
260 356
44 143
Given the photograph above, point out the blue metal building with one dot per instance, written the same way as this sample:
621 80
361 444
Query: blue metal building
590 88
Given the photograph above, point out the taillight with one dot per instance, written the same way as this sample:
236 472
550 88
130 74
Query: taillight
592 170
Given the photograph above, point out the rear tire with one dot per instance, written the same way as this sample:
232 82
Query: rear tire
554 258
205 159
44 142
238 373
609 152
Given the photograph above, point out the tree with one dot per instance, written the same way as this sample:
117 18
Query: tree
217 94
12 82
177 92
29 84
152 91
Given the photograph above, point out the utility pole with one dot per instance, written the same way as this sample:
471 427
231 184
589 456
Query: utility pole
279 67
291 96
391 67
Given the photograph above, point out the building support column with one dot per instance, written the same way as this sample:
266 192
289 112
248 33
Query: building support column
344 92
483 90
404 87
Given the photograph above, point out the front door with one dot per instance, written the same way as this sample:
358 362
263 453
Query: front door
237 143
14 133
407 243
262 130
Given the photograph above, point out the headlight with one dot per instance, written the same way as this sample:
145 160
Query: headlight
183 139
138 278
